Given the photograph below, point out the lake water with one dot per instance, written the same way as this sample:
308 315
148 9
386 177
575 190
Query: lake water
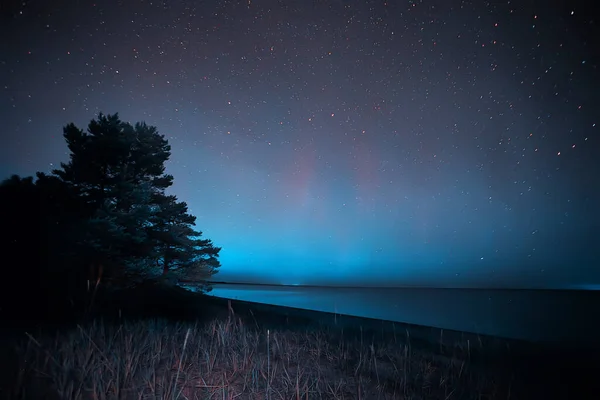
539 315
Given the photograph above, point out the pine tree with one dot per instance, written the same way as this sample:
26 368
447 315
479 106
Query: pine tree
181 252
98 172
118 170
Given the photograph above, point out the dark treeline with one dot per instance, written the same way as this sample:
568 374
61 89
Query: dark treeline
100 222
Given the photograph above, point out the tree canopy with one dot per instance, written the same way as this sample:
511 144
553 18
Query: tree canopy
106 206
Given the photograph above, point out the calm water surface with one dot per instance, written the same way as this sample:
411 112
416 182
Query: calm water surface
546 315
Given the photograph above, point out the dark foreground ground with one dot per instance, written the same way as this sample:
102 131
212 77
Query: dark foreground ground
159 342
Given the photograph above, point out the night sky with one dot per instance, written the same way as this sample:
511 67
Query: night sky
338 142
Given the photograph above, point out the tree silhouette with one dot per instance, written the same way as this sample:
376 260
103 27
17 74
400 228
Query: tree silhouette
104 214
179 248
135 229
40 219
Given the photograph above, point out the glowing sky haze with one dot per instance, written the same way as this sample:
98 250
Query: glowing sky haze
352 142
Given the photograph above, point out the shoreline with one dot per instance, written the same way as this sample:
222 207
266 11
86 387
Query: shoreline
543 317
446 341
240 329
406 287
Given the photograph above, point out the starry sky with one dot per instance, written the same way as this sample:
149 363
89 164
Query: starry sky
443 143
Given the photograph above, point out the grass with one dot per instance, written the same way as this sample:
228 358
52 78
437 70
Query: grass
225 359
237 350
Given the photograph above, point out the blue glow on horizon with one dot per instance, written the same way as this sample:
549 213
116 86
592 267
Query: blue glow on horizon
312 158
